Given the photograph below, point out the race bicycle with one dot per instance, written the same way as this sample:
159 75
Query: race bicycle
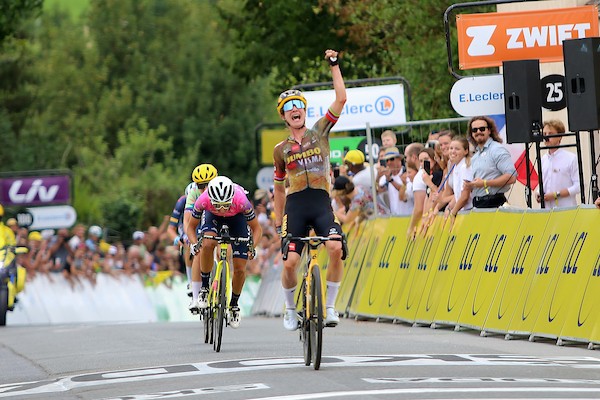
12 279
219 294
310 297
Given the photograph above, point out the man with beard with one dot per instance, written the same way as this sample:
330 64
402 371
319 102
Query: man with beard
493 169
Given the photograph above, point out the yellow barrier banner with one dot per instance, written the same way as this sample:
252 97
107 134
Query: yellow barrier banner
519 266
359 240
470 229
420 266
394 267
546 265
496 248
562 307
369 293
583 321
439 274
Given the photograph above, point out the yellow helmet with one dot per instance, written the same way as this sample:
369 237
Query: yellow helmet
290 95
203 173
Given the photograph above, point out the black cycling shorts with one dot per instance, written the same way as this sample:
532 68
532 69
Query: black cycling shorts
309 208
238 227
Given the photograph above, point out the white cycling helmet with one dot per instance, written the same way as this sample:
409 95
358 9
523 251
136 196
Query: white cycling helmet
220 190
189 187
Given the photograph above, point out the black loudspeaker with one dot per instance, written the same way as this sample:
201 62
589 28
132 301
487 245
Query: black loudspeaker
522 100
582 61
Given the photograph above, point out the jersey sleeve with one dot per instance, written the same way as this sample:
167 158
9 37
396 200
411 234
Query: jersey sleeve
198 209
177 211
323 126
279 172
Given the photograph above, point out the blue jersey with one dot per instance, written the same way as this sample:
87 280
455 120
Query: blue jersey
177 215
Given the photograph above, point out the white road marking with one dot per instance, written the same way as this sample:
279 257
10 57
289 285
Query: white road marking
420 391
232 366
172 394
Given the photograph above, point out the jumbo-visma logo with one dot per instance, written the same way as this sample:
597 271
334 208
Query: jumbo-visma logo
384 105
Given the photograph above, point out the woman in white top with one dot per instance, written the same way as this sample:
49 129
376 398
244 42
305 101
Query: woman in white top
455 194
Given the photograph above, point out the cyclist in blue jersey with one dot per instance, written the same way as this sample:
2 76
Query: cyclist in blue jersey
178 237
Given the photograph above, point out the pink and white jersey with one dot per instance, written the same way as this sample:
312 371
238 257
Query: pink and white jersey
239 205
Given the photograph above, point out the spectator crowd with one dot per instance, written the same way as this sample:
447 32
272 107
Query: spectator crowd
448 173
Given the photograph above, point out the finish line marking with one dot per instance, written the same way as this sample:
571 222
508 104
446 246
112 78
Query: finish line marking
245 365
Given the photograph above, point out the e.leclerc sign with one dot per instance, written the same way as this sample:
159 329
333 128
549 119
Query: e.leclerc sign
380 106
478 95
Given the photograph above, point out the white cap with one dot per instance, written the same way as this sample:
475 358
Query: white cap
95 230
138 235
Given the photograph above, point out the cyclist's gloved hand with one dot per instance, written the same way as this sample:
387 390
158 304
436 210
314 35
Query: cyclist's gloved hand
252 253
194 248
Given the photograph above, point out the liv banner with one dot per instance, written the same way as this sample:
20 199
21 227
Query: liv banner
380 106
485 40
35 191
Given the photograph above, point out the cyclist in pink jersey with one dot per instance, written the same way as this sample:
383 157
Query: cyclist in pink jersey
303 159
223 203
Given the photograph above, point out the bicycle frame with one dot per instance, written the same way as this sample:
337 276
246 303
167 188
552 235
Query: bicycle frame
311 297
219 295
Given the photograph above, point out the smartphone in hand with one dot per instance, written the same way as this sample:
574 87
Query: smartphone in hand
427 166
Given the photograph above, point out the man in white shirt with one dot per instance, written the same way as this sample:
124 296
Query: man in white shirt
560 171
394 178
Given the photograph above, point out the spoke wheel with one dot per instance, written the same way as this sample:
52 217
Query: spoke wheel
3 304
206 317
316 318
221 307
304 326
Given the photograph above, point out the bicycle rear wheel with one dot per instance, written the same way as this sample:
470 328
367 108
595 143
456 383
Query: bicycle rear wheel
221 310
316 318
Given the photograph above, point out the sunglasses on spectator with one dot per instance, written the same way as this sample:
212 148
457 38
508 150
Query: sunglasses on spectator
288 106
480 129
221 206
392 159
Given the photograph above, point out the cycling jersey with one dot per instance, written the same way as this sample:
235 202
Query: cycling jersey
306 163
239 205
192 196
176 219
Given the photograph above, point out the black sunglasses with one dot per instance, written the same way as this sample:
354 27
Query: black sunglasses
480 129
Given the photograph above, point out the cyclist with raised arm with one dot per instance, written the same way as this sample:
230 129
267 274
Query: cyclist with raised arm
223 203
304 159
201 175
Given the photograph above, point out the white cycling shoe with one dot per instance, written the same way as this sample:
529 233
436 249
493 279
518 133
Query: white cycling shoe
193 307
290 320
332 318
203 298
234 317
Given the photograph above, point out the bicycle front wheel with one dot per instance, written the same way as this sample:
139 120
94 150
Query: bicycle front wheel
221 306
305 325
316 318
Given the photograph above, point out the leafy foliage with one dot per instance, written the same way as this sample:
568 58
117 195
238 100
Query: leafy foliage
132 94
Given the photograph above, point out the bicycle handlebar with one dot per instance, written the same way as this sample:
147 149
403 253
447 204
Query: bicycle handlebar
227 239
